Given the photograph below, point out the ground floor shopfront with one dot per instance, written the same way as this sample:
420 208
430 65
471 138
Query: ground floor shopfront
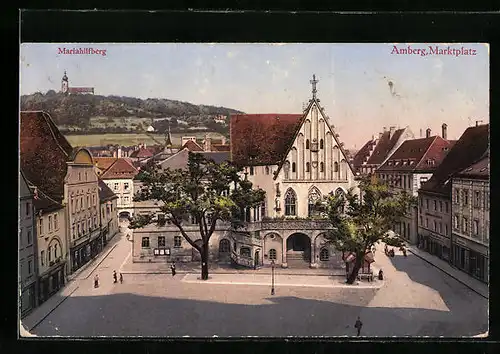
436 245
51 281
28 299
84 252
471 258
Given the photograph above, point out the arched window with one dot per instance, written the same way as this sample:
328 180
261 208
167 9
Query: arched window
290 202
224 246
293 167
321 144
324 255
272 254
307 143
335 166
314 196
245 252
308 168
321 166
267 170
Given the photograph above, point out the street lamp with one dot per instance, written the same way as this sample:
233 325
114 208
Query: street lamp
272 277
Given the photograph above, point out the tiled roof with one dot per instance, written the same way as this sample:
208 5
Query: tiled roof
180 160
43 153
43 202
105 193
261 139
479 169
103 163
473 144
424 154
217 156
363 154
384 145
120 169
141 153
220 147
192 146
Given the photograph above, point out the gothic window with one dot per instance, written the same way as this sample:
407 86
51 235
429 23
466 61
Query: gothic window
321 144
290 202
335 166
323 255
223 246
307 143
314 196
272 254
308 168
321 167
293 167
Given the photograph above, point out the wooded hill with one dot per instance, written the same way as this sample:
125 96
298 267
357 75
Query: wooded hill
76 110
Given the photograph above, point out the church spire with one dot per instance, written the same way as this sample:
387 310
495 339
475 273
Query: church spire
313 83
168 138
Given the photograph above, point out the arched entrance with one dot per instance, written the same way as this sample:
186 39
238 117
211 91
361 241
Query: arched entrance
256 259
298 250
124 216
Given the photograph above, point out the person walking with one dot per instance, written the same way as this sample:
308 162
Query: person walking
121 278
115 280
358 325
96 281
172 268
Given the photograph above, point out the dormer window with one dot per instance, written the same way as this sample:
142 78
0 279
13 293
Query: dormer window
389 163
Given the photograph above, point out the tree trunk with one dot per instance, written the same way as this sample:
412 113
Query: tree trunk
355 270
204 262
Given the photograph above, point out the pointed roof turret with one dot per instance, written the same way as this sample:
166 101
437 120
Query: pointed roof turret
168 138
65 78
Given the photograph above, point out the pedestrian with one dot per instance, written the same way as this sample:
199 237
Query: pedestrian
114 277
96 281
358 325
172 268
121 278
404 251
380 275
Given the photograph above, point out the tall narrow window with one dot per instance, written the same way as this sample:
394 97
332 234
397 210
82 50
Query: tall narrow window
465 197
56 225
145 242
307 143
272 254
335 166
251 170
290 202
308 166
321 167
50 223
321 144
294 167
177 241
42 257
161 241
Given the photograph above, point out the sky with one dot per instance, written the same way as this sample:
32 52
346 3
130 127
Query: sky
362 87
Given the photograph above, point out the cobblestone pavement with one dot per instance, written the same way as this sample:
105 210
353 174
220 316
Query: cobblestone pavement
416 299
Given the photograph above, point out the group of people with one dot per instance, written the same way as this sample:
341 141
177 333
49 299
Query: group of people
115 279
390 252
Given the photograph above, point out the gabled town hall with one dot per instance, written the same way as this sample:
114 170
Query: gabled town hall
296 159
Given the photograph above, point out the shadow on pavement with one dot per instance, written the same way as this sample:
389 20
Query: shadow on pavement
126 314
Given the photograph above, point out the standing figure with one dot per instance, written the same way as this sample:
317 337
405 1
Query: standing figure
172 268
96 281
115 280
358 325
404 251
121 278
380 275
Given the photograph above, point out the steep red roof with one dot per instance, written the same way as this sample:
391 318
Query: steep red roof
424 154
363 154
479 169
44 152
261 139
103 163
141 153
471 146
192 146
120 169
384 145
105 193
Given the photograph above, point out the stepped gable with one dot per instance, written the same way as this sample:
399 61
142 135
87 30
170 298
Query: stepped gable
44 152
471 146
414 154
261 139
120 169
384 146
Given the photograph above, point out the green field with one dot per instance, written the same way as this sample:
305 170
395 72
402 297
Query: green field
130 139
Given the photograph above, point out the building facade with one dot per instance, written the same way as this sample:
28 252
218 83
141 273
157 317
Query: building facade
296 159
28 269
471 219
109 215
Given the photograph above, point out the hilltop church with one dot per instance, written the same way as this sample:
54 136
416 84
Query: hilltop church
296 159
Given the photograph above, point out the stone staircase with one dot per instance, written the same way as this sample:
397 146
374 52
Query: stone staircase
296 259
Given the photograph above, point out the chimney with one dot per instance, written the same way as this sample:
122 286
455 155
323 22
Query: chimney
477 122
421 135
428 133
119 154
444 131
208 144
391 131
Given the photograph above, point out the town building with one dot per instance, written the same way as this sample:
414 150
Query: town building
119 177
109 216
296 159
66 89
27 249
471 219
407 168
435 195
377 150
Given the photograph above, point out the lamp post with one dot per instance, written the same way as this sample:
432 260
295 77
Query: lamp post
272 277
